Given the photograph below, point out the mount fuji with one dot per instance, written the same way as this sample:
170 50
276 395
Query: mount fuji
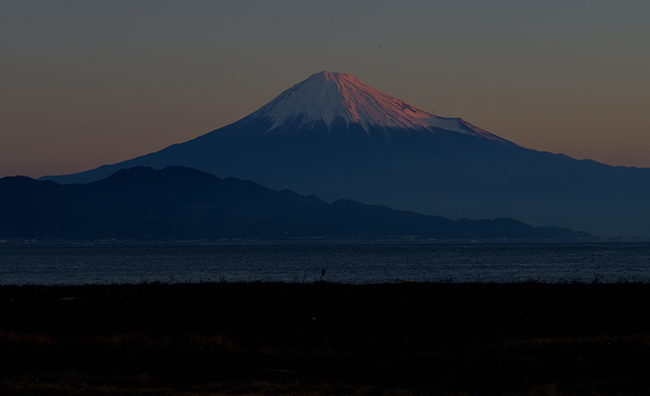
336 137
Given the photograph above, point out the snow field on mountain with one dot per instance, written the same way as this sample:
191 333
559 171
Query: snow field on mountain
327 96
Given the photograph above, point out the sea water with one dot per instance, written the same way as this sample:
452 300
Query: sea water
346 263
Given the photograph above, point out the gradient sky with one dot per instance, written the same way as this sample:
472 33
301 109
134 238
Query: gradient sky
86 83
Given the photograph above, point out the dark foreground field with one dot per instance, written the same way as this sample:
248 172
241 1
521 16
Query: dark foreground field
326 338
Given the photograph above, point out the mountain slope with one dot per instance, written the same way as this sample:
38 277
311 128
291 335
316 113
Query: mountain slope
335 137
179 203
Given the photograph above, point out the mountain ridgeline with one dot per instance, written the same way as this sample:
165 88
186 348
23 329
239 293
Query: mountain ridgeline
334 136
179 203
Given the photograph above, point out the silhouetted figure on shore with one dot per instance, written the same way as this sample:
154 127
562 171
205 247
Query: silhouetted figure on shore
322 274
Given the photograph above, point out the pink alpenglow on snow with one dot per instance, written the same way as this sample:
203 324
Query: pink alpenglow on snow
326 96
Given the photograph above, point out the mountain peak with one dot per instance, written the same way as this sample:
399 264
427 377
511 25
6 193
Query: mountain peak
331 96
328 96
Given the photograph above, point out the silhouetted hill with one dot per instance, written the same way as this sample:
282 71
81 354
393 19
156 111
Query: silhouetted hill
179 203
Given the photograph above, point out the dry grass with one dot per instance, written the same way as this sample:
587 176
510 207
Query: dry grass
72 384
325 339
11 340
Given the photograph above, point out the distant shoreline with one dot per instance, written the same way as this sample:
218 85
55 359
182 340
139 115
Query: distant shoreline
313 241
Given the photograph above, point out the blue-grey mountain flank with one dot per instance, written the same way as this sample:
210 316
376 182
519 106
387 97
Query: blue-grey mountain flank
333 136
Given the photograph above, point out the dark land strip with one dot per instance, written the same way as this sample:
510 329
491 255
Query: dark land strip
326 338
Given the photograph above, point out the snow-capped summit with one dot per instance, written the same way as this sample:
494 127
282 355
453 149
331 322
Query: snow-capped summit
329 96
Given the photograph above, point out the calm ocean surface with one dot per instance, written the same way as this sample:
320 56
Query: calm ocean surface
354 263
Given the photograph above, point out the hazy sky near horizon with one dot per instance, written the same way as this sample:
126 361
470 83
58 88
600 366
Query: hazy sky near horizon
87 83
